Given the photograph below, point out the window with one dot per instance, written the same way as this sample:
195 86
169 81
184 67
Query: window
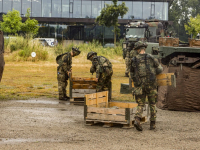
1 8
137 10
77 9
129 14
17 5
65 8
25 5
147 10
36 8
86 8
56 8
7 6
46 8
96 8
161 10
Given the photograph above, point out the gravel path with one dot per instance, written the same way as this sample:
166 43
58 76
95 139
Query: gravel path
41 124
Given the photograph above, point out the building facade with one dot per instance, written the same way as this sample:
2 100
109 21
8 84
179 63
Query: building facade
75 19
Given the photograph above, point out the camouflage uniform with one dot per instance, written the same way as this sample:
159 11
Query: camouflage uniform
130 53
144 68
103 68
65 65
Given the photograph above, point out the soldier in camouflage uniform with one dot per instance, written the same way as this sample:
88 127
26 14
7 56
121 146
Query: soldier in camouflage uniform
130 53
103 68
63 70
144 68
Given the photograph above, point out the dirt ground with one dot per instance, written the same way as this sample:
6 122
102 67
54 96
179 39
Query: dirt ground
41 124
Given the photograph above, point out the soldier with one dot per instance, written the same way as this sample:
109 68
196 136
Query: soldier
144 68
130 53
103 68
63 70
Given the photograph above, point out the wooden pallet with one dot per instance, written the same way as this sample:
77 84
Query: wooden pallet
98 109
108 124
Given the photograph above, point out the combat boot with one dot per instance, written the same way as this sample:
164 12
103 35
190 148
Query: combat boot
63 98
152 125
137 124
126 75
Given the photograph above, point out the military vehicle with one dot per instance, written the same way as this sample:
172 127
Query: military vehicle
149 31
182 59
2 63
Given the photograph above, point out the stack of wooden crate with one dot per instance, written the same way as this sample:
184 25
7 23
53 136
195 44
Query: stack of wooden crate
78 87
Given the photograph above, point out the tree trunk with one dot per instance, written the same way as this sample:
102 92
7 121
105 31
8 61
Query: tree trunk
115 34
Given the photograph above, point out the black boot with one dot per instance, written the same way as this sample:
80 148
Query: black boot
137 124
152 125
63 98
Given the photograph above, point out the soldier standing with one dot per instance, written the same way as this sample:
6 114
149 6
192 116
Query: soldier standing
144 68
103 68
63 70
129 54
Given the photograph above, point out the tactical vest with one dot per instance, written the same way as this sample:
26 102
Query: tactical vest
141 66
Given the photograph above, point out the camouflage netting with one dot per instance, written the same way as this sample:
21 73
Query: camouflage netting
186 95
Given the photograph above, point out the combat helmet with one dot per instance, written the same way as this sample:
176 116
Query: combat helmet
139 45
75 51
90 54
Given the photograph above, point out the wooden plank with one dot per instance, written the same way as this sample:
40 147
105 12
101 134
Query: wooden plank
84 82
84 86
85 91
164 76
90 96
83 79
102 97
106 110
117 122
122 105
78 95
164 82
91 102
105 117
164 79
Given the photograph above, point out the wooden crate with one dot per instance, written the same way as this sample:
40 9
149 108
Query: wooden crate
169 41
78 87
98 109
194 42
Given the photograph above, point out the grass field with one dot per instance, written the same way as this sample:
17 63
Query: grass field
25 80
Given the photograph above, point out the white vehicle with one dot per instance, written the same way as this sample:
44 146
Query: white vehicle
47 41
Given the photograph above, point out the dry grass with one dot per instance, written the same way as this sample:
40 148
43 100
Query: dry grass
24 80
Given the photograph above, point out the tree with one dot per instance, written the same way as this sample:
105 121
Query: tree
30 26
193 26
109 16
179 12
11 22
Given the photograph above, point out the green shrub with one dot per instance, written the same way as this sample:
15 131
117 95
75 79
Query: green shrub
13 47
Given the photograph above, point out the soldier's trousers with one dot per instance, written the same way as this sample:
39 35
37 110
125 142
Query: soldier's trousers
140 99
62 84
104 83
127 62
